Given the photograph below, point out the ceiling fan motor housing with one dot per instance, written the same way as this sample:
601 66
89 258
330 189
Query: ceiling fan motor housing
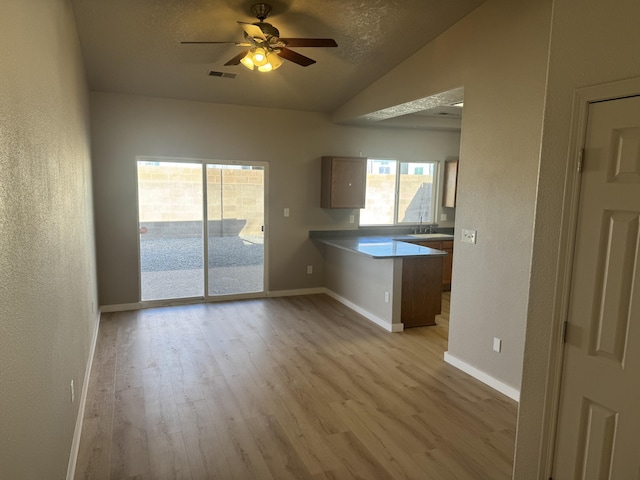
261 11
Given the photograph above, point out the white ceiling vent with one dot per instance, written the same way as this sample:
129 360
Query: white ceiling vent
214 73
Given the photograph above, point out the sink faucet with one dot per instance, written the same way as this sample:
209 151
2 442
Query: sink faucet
424 228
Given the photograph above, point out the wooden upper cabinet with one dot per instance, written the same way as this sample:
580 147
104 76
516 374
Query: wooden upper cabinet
344 182
450 187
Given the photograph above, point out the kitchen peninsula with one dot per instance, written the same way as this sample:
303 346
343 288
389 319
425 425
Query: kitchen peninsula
389 279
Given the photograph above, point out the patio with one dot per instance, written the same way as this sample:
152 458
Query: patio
173 267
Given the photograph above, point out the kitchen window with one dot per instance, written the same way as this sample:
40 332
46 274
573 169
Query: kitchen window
399 193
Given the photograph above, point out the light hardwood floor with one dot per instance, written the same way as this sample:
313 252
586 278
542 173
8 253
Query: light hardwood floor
285 388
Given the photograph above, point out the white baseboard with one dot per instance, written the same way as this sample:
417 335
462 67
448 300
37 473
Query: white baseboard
122 307
296 292
494 383
396 327
126 307
77 432
389 327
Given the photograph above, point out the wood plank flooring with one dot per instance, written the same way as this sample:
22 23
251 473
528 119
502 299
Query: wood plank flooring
285 388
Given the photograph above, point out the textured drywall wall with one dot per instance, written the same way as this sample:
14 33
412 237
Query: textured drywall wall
124 127
593 43
499 54
364 281
47 266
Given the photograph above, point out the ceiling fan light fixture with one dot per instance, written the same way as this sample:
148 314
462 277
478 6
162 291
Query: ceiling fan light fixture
247 61
275 60
259 56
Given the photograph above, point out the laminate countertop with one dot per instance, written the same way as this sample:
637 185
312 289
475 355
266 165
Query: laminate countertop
394 246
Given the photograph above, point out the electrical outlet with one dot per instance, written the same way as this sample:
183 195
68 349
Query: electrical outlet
286 212
386 297
443 217
73 393
352 218
309 269
469 236
497 344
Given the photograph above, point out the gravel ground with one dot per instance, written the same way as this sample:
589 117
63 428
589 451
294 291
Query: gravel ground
173 267
158 255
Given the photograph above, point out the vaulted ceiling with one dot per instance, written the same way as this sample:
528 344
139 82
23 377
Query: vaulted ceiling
133 47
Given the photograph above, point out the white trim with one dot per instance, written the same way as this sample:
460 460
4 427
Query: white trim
75 444
122 307
296 292
389 327
125 307
494 383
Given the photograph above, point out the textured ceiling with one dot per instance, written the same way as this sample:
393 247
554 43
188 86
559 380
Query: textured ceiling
133 46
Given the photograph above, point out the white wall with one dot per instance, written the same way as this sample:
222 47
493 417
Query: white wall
47 267
498 53
593 42
293 142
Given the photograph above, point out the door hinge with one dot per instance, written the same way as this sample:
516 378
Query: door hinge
580 160
565 325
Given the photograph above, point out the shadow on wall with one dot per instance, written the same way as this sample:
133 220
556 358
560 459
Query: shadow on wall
419 208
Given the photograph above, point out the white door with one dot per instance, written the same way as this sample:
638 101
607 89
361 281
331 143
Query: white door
599 415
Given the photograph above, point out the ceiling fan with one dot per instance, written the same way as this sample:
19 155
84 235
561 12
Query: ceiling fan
266 47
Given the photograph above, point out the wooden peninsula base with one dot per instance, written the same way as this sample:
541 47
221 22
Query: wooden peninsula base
421 291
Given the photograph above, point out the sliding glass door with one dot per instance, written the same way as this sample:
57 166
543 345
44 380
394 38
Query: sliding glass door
235 228
171 235
173 199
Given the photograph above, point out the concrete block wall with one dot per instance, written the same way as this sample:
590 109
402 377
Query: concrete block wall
171 196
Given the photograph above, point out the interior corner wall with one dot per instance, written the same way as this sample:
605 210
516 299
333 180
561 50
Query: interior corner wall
499 54
593 43
125 127
47 255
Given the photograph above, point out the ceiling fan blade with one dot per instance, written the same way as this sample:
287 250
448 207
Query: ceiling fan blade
252 30
236 60
295 57
237 44
309 42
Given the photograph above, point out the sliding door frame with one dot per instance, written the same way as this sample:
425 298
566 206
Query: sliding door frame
205 231
205 213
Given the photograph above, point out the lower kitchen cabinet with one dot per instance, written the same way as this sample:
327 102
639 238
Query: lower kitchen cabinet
421 291
447 262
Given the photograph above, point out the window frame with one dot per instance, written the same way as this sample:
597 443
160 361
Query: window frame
396 197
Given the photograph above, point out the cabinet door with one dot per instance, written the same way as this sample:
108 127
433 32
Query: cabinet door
343 182
450 188
447 261
421 291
